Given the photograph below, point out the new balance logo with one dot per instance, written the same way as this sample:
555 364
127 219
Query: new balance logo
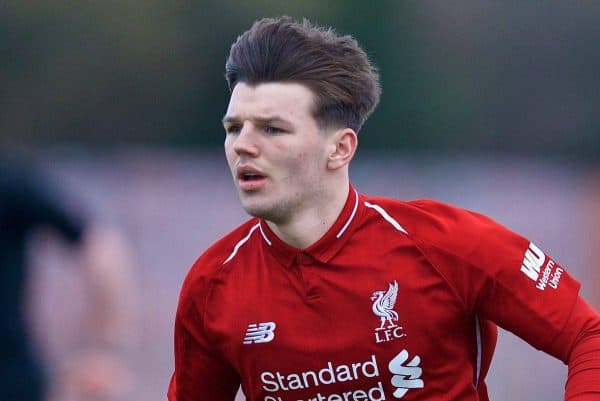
533 261
260 333
406 375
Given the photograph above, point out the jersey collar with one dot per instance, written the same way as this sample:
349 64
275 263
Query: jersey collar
327 246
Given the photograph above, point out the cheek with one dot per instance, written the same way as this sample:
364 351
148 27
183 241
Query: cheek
308 167
229 155
303 160
227 145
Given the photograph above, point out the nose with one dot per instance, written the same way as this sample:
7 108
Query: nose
245 142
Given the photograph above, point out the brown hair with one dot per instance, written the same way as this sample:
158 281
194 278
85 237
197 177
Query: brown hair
335 68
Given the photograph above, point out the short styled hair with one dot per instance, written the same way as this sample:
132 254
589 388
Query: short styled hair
335 68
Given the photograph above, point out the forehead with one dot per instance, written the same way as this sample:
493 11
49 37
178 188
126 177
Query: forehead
290 101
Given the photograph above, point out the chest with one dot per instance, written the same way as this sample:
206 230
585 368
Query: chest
313 328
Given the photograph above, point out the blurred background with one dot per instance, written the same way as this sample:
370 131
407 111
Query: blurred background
493 107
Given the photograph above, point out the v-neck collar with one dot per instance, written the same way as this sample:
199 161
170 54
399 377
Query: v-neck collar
328 245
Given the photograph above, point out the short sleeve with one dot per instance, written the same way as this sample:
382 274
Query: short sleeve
502 276
200 372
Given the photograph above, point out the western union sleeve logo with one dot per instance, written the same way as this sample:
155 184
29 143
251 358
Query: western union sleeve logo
533 267
533 261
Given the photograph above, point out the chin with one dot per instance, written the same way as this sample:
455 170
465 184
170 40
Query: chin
262 212
255 210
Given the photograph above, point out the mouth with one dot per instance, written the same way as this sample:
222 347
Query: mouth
250 179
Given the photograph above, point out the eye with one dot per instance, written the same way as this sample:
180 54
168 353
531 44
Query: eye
273 130
233 128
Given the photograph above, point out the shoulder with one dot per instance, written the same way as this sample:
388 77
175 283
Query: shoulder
426 211
425 215
211 262
432 216
443 226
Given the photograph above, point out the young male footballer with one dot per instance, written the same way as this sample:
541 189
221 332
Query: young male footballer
327 294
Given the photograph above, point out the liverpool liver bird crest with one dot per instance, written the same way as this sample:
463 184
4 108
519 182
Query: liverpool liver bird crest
384 305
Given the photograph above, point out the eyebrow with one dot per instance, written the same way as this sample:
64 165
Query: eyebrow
260 120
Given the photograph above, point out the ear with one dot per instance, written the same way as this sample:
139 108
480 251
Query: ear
344 143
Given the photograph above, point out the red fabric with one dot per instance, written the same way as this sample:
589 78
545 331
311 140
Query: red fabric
583 382
171 393
303 324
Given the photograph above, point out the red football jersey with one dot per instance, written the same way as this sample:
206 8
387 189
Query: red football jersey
398 300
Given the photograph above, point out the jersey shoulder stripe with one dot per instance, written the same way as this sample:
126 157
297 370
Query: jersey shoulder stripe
443 226
386 216
242 242
210 263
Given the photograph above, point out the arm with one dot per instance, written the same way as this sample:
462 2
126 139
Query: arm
201 372
99 368
506 279
107 268
583 356
548 313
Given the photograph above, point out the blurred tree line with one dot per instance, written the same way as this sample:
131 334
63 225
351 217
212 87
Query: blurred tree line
457 76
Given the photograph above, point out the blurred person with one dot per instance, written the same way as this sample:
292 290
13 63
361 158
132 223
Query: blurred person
330 294
99 370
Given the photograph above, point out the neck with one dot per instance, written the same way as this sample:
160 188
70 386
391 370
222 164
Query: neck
310 224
